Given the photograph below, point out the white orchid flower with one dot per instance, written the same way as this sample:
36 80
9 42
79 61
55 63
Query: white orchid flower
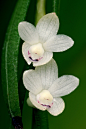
46 88
41 41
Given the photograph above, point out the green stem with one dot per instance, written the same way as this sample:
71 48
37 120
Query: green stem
40 10
56 6
40 119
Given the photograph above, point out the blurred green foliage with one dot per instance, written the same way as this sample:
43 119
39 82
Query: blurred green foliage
72 18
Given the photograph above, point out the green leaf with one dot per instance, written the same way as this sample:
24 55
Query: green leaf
10 58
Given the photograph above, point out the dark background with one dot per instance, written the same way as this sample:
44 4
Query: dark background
73 62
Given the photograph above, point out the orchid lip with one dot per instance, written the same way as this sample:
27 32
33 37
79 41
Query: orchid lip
35 59
47 106
45 99
32 59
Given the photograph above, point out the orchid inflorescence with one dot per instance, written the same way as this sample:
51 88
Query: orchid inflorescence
45 88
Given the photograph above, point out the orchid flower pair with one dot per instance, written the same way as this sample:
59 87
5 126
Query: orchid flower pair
43 83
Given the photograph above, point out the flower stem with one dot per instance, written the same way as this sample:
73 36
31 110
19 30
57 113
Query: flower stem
40 119
56 6
40 10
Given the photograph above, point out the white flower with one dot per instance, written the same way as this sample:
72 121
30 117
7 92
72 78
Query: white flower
46 88
42 41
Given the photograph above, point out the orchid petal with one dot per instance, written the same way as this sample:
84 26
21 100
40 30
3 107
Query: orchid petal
64 85
28 32
48 73
30 103
32 81
35 103
58 43
57 107
47 26
25 50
